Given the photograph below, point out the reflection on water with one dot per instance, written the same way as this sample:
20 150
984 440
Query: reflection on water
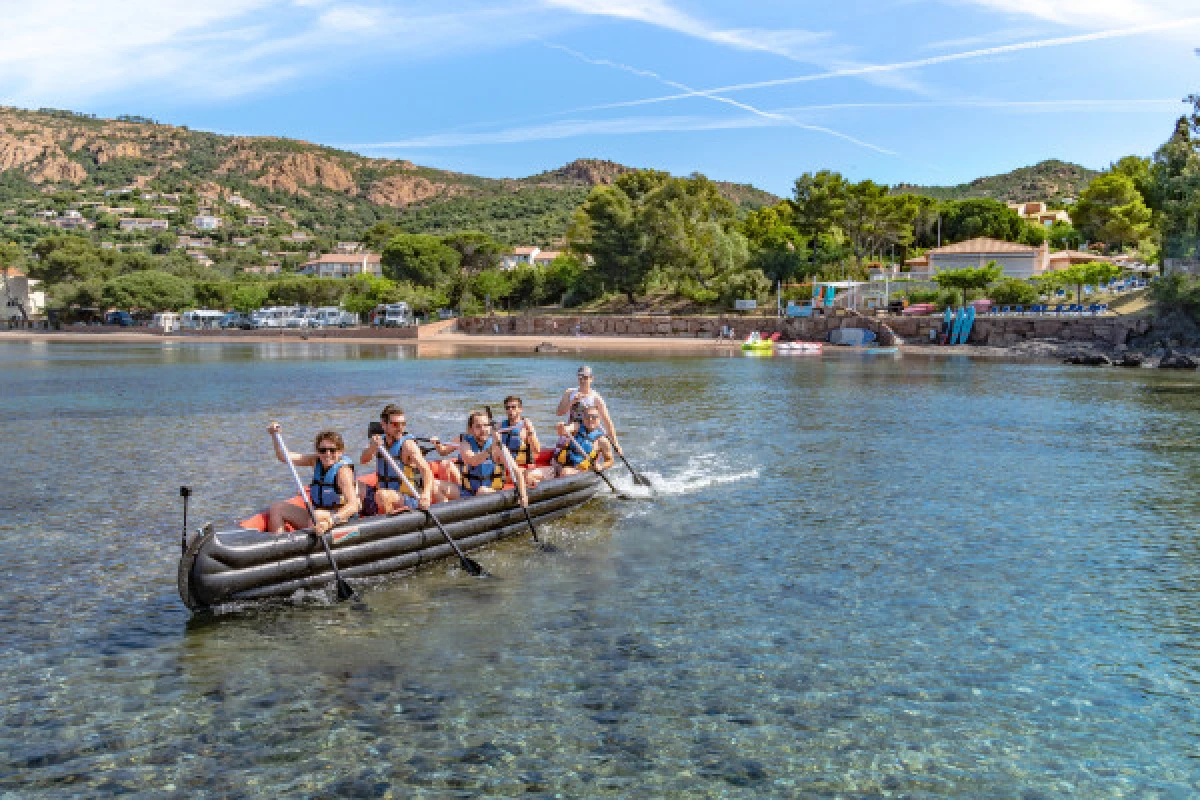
858 578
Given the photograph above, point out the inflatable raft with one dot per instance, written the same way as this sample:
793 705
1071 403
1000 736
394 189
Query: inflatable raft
244 563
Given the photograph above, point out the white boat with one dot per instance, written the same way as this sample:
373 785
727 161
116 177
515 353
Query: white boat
799 347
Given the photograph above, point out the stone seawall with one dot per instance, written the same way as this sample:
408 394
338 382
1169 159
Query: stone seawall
995 331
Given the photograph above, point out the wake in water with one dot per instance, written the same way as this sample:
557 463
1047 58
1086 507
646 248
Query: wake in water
702 472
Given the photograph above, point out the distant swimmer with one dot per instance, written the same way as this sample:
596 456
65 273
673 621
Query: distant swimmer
575 402
333 491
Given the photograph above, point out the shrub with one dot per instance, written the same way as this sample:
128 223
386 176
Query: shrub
1013 291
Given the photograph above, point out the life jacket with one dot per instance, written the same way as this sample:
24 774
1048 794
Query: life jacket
387 478
323 491
569 457
517 445
485 474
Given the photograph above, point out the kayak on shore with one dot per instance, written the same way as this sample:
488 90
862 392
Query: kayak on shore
245 563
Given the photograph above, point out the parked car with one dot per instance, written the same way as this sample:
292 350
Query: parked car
297 318
270 317
201 319
237 319
122 318
166 320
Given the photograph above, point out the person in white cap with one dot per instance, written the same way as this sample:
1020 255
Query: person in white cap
575 402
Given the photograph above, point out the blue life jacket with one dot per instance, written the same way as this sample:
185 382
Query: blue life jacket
323 491
487 473
387 479
570 457
516 445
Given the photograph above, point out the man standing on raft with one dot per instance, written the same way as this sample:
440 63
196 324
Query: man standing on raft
575 402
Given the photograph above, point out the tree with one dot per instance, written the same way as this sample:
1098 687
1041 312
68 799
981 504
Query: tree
1177 189
776 247
1111 210
492 284
477 251
1092 273
1063 234
420 259
248 297
873 219
378 235
818 202
969 278
1013 291
149 290
980 217
365 292
608 229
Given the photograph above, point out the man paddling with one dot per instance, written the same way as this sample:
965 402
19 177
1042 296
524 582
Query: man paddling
519 436
333 489
582 448
390 495
575 402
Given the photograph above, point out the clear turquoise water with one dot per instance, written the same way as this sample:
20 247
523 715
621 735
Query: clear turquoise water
861 578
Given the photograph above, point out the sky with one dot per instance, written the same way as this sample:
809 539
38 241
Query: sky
918 91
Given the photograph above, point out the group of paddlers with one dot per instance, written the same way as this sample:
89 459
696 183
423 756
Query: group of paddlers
486 458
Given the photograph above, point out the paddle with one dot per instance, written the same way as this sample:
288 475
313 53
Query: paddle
344 590
470 567
185 493
512 468
639 479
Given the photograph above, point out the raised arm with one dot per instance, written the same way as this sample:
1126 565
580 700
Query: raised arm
535 446
371 449
299 459
564 405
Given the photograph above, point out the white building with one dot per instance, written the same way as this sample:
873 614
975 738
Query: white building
1017 260
142 224
1039 214
518 256
206 222
21 297
342 265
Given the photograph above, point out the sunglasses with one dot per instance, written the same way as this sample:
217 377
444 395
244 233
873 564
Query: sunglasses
592 416
511 408
398 423
324 450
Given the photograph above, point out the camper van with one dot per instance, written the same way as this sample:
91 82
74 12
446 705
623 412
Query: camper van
332 317
274 317
201 319
166 321
393 315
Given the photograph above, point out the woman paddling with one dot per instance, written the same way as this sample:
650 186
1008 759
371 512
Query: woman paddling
575 402
333 490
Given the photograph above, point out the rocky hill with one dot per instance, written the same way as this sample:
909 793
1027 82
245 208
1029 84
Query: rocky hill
328 191
1050 180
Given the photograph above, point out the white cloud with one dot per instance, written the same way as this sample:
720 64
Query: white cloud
66 52
1090 14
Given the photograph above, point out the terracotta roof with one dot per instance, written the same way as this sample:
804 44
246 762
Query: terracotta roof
13 272
524 251
986 246
1077 255
346 258
919 261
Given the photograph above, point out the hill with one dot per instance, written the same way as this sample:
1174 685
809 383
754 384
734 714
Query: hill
1050 180
332 194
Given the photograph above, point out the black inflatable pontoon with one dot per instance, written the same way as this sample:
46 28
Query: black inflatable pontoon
240 564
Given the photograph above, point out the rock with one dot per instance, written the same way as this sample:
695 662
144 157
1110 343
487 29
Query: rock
546 347
1088 359
1130 360
1173 360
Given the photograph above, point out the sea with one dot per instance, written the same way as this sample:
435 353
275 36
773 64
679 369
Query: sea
855 577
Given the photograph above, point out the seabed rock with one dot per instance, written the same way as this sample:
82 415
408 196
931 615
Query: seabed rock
546 347
1173 360
1130 360
1088 359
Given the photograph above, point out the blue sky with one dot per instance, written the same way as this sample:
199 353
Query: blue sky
926 91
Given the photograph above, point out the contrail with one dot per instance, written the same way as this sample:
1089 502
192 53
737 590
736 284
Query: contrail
1114 33
711 95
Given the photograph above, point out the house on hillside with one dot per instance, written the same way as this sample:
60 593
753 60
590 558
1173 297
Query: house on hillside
1038 214
343 265
258 221
1017 260
518 256
1066 258
206 222
142 224
545 258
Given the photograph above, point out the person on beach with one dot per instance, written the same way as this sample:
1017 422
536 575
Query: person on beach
482 456
389 495
333 490
582 447
575 402
519 436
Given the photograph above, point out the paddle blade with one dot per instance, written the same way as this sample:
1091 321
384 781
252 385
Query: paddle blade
472 568
640 480
344 590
